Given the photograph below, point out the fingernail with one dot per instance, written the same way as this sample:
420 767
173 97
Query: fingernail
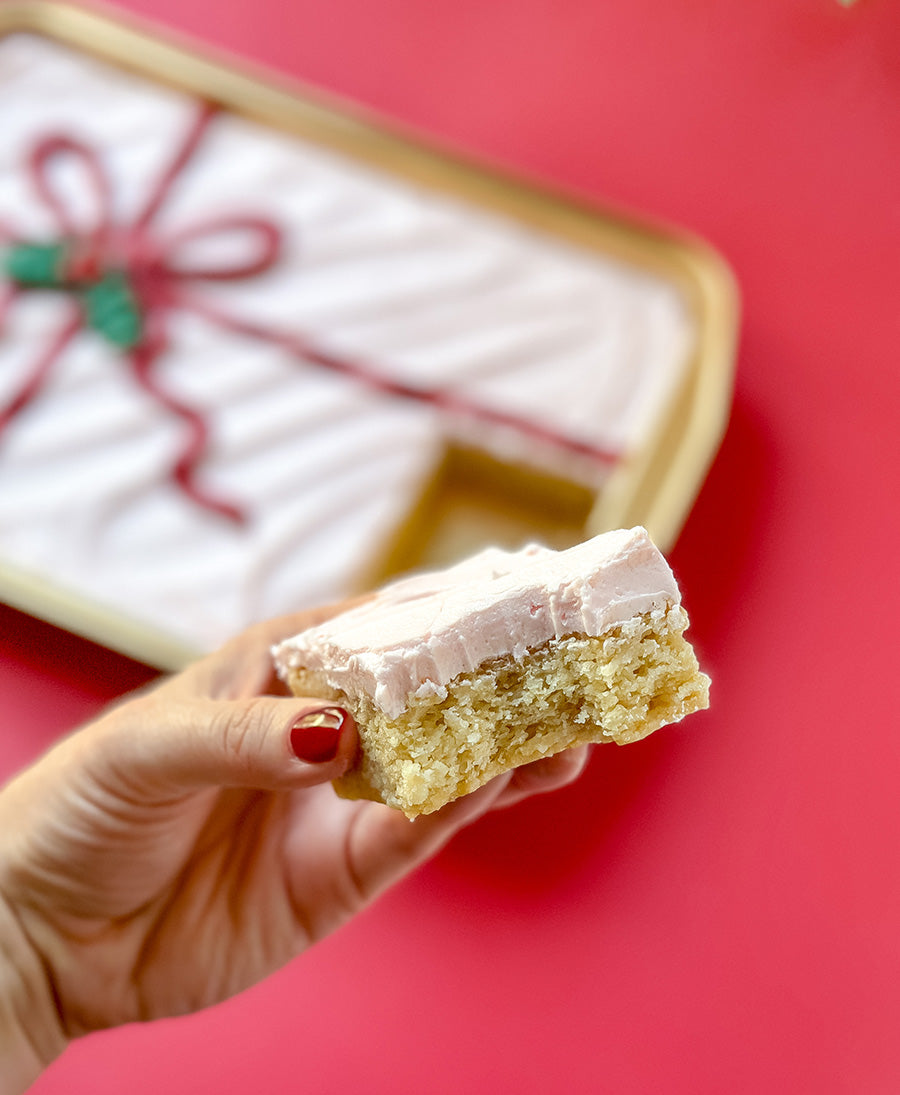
316 735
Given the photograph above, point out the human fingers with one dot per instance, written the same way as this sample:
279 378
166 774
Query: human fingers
157 748
542 776
383 845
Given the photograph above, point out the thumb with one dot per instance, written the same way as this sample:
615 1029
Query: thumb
163 747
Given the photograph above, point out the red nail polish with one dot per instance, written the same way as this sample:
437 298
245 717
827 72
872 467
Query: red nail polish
316 735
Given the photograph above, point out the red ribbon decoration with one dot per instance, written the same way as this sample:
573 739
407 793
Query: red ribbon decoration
159 284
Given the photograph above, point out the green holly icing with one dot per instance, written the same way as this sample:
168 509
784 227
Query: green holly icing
111 309
110 306
36 265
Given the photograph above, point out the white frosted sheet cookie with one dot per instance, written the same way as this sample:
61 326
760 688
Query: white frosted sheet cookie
428 291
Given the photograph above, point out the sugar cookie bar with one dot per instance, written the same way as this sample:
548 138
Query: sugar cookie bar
456 676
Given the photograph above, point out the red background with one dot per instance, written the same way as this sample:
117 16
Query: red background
718 908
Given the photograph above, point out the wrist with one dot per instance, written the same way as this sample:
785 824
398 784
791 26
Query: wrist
31 1036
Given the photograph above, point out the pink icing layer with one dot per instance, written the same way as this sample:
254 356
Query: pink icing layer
416 635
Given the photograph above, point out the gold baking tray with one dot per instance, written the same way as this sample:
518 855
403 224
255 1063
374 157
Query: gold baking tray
473 497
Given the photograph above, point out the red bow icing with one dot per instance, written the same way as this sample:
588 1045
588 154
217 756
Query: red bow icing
124 280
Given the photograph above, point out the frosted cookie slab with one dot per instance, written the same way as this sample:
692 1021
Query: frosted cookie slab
432 291
457 676
434 357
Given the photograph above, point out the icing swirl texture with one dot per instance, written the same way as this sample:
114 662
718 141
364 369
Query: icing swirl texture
417 635
439 293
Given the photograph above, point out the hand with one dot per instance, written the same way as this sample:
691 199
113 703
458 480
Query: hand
177 850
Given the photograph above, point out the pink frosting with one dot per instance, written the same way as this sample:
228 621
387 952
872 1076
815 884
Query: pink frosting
416 635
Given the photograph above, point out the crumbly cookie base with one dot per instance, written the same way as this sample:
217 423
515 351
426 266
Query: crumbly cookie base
618 687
